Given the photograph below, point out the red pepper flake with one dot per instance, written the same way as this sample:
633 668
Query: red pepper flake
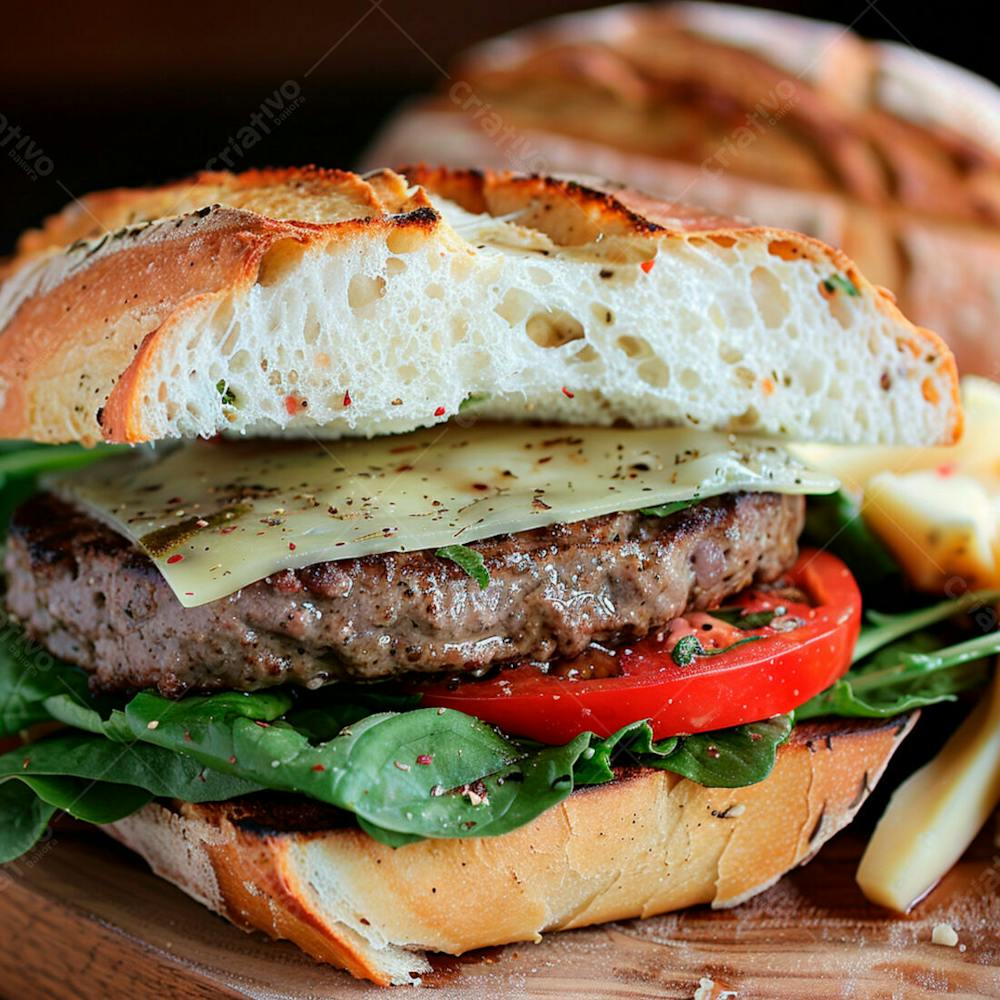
439 412
228 530
347 398
176 558
567 393
292 405
263 725
187 736
424 758
482 487
232 759
189 593
291 546
946 470
712 751
318 767
647 265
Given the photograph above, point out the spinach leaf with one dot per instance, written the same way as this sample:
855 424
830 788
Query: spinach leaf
33 685
726 758
23 819
473 399
468 559
93 758
425 772
730 758
322 714
632 744
89 801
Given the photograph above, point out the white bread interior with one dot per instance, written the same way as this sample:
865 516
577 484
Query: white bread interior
323 303
648 843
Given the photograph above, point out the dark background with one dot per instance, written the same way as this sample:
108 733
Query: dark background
133 92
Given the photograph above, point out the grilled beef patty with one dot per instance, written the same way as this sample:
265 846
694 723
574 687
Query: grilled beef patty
94 599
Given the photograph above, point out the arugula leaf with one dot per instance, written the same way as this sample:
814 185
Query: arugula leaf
907 674
884 629
666 509
469 560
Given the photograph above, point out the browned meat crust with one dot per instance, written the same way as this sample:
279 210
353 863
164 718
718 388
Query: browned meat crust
93 599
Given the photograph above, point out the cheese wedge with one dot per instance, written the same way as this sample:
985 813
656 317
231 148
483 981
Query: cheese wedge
934 815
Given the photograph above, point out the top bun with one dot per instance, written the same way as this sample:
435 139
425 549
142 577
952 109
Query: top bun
320 302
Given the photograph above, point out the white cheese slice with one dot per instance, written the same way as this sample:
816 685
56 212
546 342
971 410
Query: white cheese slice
216 516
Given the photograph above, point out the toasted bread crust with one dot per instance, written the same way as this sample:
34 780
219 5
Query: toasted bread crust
101 339
648 843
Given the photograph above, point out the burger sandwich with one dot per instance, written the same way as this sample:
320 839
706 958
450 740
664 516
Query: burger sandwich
411 562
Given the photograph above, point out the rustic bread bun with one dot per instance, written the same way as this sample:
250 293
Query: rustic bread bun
648 843
794 122
309 301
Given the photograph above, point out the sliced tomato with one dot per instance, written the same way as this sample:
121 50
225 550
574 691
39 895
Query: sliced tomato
703 671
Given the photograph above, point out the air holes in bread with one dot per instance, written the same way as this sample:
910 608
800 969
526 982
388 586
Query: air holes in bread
279 262
365 290
634 347
553 329
771 299
654 372
514 306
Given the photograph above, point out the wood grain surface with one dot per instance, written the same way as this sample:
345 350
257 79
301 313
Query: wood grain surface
82 918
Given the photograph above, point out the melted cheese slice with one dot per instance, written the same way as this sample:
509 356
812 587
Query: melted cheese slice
215 517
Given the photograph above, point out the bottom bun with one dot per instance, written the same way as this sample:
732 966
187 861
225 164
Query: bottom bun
647 843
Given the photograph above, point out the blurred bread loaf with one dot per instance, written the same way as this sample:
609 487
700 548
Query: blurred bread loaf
889 153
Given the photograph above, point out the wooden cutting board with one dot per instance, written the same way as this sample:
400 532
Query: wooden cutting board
81 917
